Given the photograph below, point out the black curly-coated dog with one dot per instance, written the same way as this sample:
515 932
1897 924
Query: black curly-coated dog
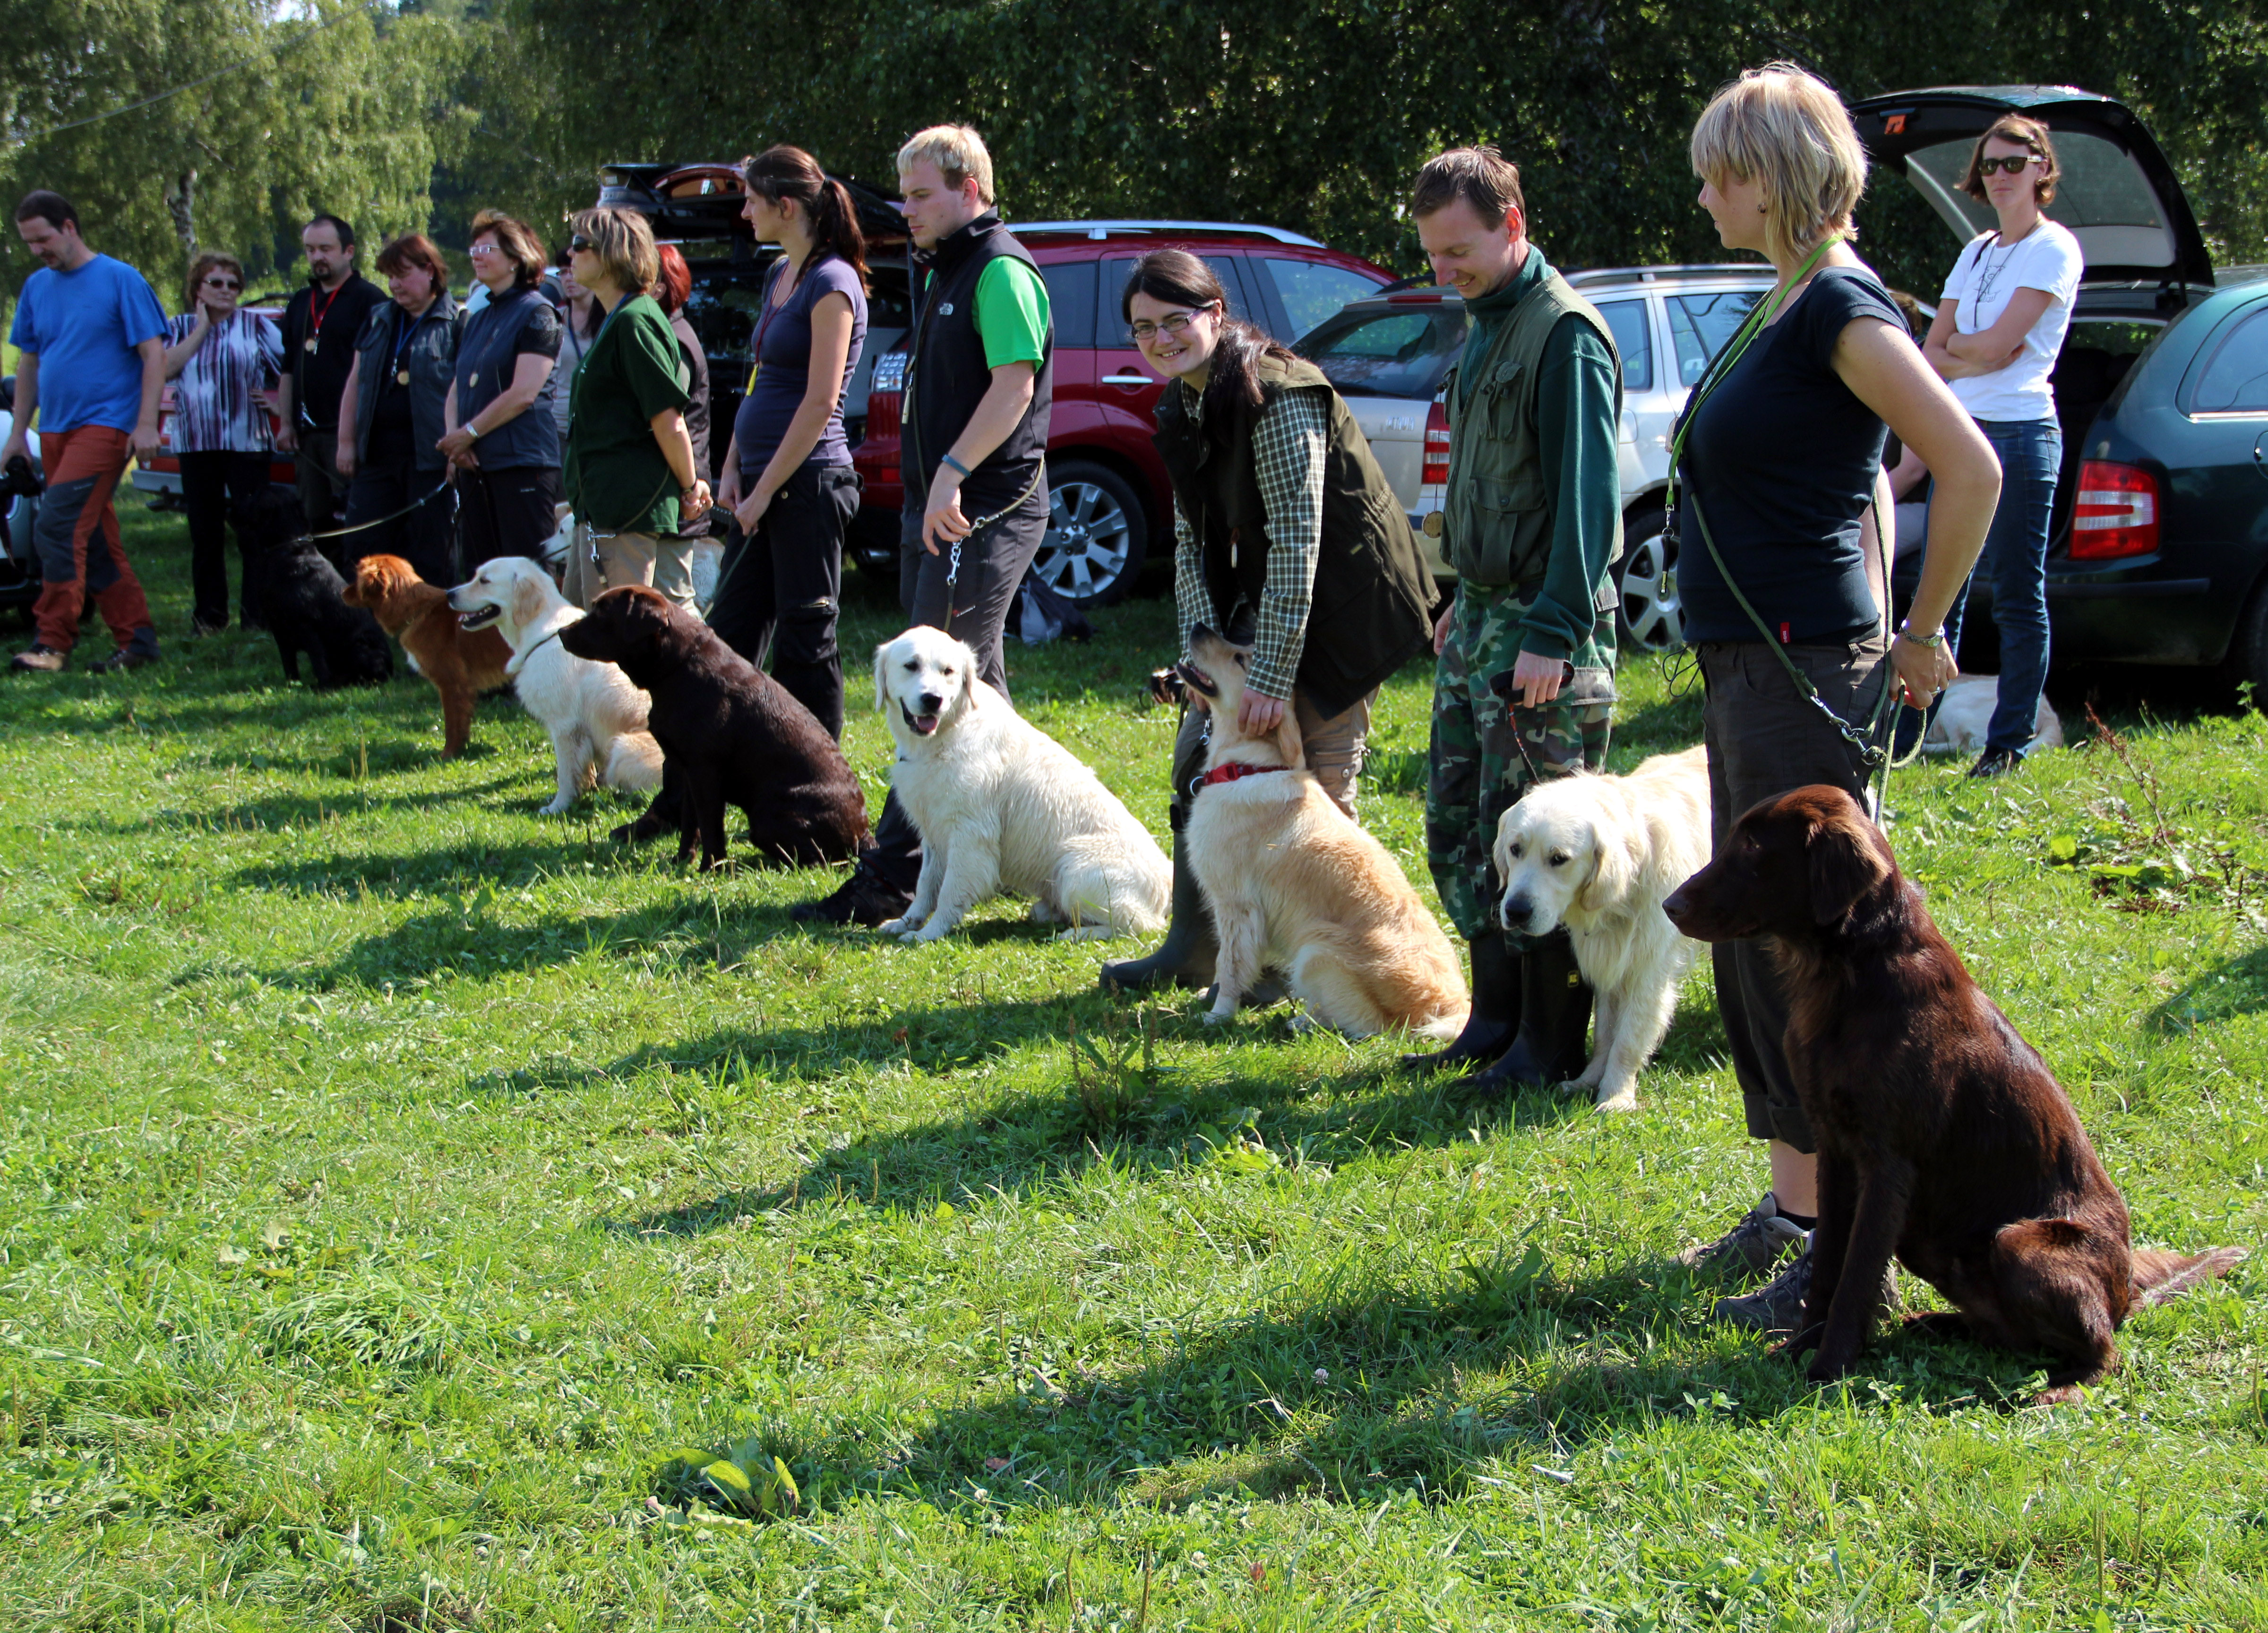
302 597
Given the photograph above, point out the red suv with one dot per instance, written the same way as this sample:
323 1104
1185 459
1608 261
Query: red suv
1110 504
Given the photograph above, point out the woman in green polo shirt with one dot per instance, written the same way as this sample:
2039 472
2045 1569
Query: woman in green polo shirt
631 475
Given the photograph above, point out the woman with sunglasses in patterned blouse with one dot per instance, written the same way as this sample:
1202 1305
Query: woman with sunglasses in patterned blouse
222 361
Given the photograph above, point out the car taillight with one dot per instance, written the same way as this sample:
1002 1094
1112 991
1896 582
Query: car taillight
2116 512
883 414
1437 447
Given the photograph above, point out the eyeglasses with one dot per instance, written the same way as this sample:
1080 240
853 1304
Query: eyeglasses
1174 323
2014 164
579 242
227 283
479 250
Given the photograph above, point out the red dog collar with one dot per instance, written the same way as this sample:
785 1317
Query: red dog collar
1233 770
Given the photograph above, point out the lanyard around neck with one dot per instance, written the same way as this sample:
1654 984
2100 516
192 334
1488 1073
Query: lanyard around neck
1723 364
404 335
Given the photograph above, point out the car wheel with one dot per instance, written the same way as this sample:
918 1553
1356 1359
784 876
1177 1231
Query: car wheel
1649 617
2248 650
1098 536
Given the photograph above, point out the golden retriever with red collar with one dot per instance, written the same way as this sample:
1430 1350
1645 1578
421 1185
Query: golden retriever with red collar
1294 885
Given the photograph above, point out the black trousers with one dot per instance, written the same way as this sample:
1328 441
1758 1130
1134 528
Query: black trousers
216 484
780 589
423 538
508 512
972 608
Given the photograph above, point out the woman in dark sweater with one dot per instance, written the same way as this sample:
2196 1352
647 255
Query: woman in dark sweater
503 436
1778 462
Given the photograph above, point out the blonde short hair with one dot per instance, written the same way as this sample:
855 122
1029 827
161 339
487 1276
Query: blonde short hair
956 151
623 242
1785 129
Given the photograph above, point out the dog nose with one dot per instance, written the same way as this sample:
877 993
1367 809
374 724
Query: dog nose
1676 905
930 703
1517 911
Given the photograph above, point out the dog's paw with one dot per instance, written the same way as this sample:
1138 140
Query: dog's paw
895 926
1219 1017
1801 1343
557 808
1627 1101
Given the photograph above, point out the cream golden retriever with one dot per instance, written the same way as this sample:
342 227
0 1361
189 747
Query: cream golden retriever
1599 854
596 717
1002 807
1294 885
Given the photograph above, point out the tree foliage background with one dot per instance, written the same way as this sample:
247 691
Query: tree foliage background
1309 114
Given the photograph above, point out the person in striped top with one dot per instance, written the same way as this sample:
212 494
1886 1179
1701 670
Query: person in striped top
224 362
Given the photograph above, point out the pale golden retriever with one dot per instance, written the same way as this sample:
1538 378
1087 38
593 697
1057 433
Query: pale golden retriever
1294 885
596 717
1599 854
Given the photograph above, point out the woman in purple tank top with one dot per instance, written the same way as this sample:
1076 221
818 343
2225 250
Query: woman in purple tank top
786 476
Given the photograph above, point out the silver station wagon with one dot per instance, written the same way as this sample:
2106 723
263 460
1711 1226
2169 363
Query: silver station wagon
1389 355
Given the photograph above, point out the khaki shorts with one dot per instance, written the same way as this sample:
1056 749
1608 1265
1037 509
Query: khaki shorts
664 561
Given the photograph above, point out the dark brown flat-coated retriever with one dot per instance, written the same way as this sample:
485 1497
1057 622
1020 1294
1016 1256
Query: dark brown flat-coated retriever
1942 1136
730 730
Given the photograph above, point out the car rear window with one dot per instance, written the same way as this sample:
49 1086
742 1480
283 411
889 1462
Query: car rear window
1699 326
1313 290
1404 353
1071 300
1633 339
2236 381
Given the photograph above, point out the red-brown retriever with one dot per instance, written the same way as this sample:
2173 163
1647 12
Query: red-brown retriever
460 663
730 730
1942 1136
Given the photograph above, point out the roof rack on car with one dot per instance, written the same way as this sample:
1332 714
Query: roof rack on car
1105 229
1667 274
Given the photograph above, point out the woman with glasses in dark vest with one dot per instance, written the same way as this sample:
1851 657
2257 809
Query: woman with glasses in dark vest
503 438
391 418
1287 537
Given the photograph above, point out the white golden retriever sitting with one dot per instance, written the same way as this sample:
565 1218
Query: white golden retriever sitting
596 717
1295 884
1599 855
1002 807
1959 725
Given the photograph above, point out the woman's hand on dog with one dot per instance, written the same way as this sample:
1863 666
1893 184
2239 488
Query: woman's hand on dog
1257 715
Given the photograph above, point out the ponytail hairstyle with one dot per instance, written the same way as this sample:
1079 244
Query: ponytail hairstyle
781 173
1180 277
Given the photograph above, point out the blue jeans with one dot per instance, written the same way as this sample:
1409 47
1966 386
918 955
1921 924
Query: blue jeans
2015 556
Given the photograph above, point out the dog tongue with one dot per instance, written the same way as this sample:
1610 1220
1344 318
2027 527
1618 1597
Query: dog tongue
924 724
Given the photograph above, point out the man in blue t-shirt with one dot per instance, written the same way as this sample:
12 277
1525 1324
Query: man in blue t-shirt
93 343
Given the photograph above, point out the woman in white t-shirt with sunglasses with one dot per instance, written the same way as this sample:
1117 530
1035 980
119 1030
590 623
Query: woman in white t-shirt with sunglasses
1999 329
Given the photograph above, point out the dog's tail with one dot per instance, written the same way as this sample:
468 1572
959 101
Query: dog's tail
2160 1274
633 761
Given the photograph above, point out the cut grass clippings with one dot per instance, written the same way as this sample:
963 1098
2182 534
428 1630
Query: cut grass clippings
418 1213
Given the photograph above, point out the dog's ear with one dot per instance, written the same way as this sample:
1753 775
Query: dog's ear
1289 740
1844 854
882 676
526 600
1613 872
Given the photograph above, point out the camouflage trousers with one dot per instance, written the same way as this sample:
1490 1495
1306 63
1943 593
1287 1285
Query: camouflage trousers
1487 753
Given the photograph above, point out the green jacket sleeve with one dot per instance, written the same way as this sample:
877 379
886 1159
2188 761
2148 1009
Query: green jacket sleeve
652 368
1579 411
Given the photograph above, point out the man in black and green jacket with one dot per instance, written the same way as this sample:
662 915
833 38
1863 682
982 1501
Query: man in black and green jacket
1532 522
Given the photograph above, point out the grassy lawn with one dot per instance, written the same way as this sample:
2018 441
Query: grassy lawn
394 1182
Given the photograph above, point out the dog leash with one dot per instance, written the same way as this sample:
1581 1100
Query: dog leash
341 532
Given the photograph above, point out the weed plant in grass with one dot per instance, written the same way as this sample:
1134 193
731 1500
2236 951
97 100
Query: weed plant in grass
418 1213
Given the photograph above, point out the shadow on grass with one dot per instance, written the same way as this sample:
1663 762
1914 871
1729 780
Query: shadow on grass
2233 987
1508 1370
499 865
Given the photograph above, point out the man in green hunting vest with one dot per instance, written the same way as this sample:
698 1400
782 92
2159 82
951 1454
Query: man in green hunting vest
1524 686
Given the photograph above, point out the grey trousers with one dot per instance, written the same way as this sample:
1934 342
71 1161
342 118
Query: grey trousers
1764 739
1333 746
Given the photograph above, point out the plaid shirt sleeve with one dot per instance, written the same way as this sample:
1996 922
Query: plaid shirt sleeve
1288 441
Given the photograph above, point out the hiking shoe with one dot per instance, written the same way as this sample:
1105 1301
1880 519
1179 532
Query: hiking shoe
39 660
1996 762
1750 1248
865 898
1777 1306
120 661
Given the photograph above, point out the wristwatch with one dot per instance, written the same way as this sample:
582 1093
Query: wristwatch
1935 640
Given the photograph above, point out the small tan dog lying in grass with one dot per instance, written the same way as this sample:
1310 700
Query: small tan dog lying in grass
1599 855
1294 885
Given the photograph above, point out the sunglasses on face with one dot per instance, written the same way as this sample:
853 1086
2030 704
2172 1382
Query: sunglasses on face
1175 324
226 283
579 242
2013 164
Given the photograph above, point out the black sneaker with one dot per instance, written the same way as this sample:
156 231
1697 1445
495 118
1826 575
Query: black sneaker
865 898
1777 1306
120 661
1997 762
1752 1248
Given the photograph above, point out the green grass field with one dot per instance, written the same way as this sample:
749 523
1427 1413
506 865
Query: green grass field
394 1183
